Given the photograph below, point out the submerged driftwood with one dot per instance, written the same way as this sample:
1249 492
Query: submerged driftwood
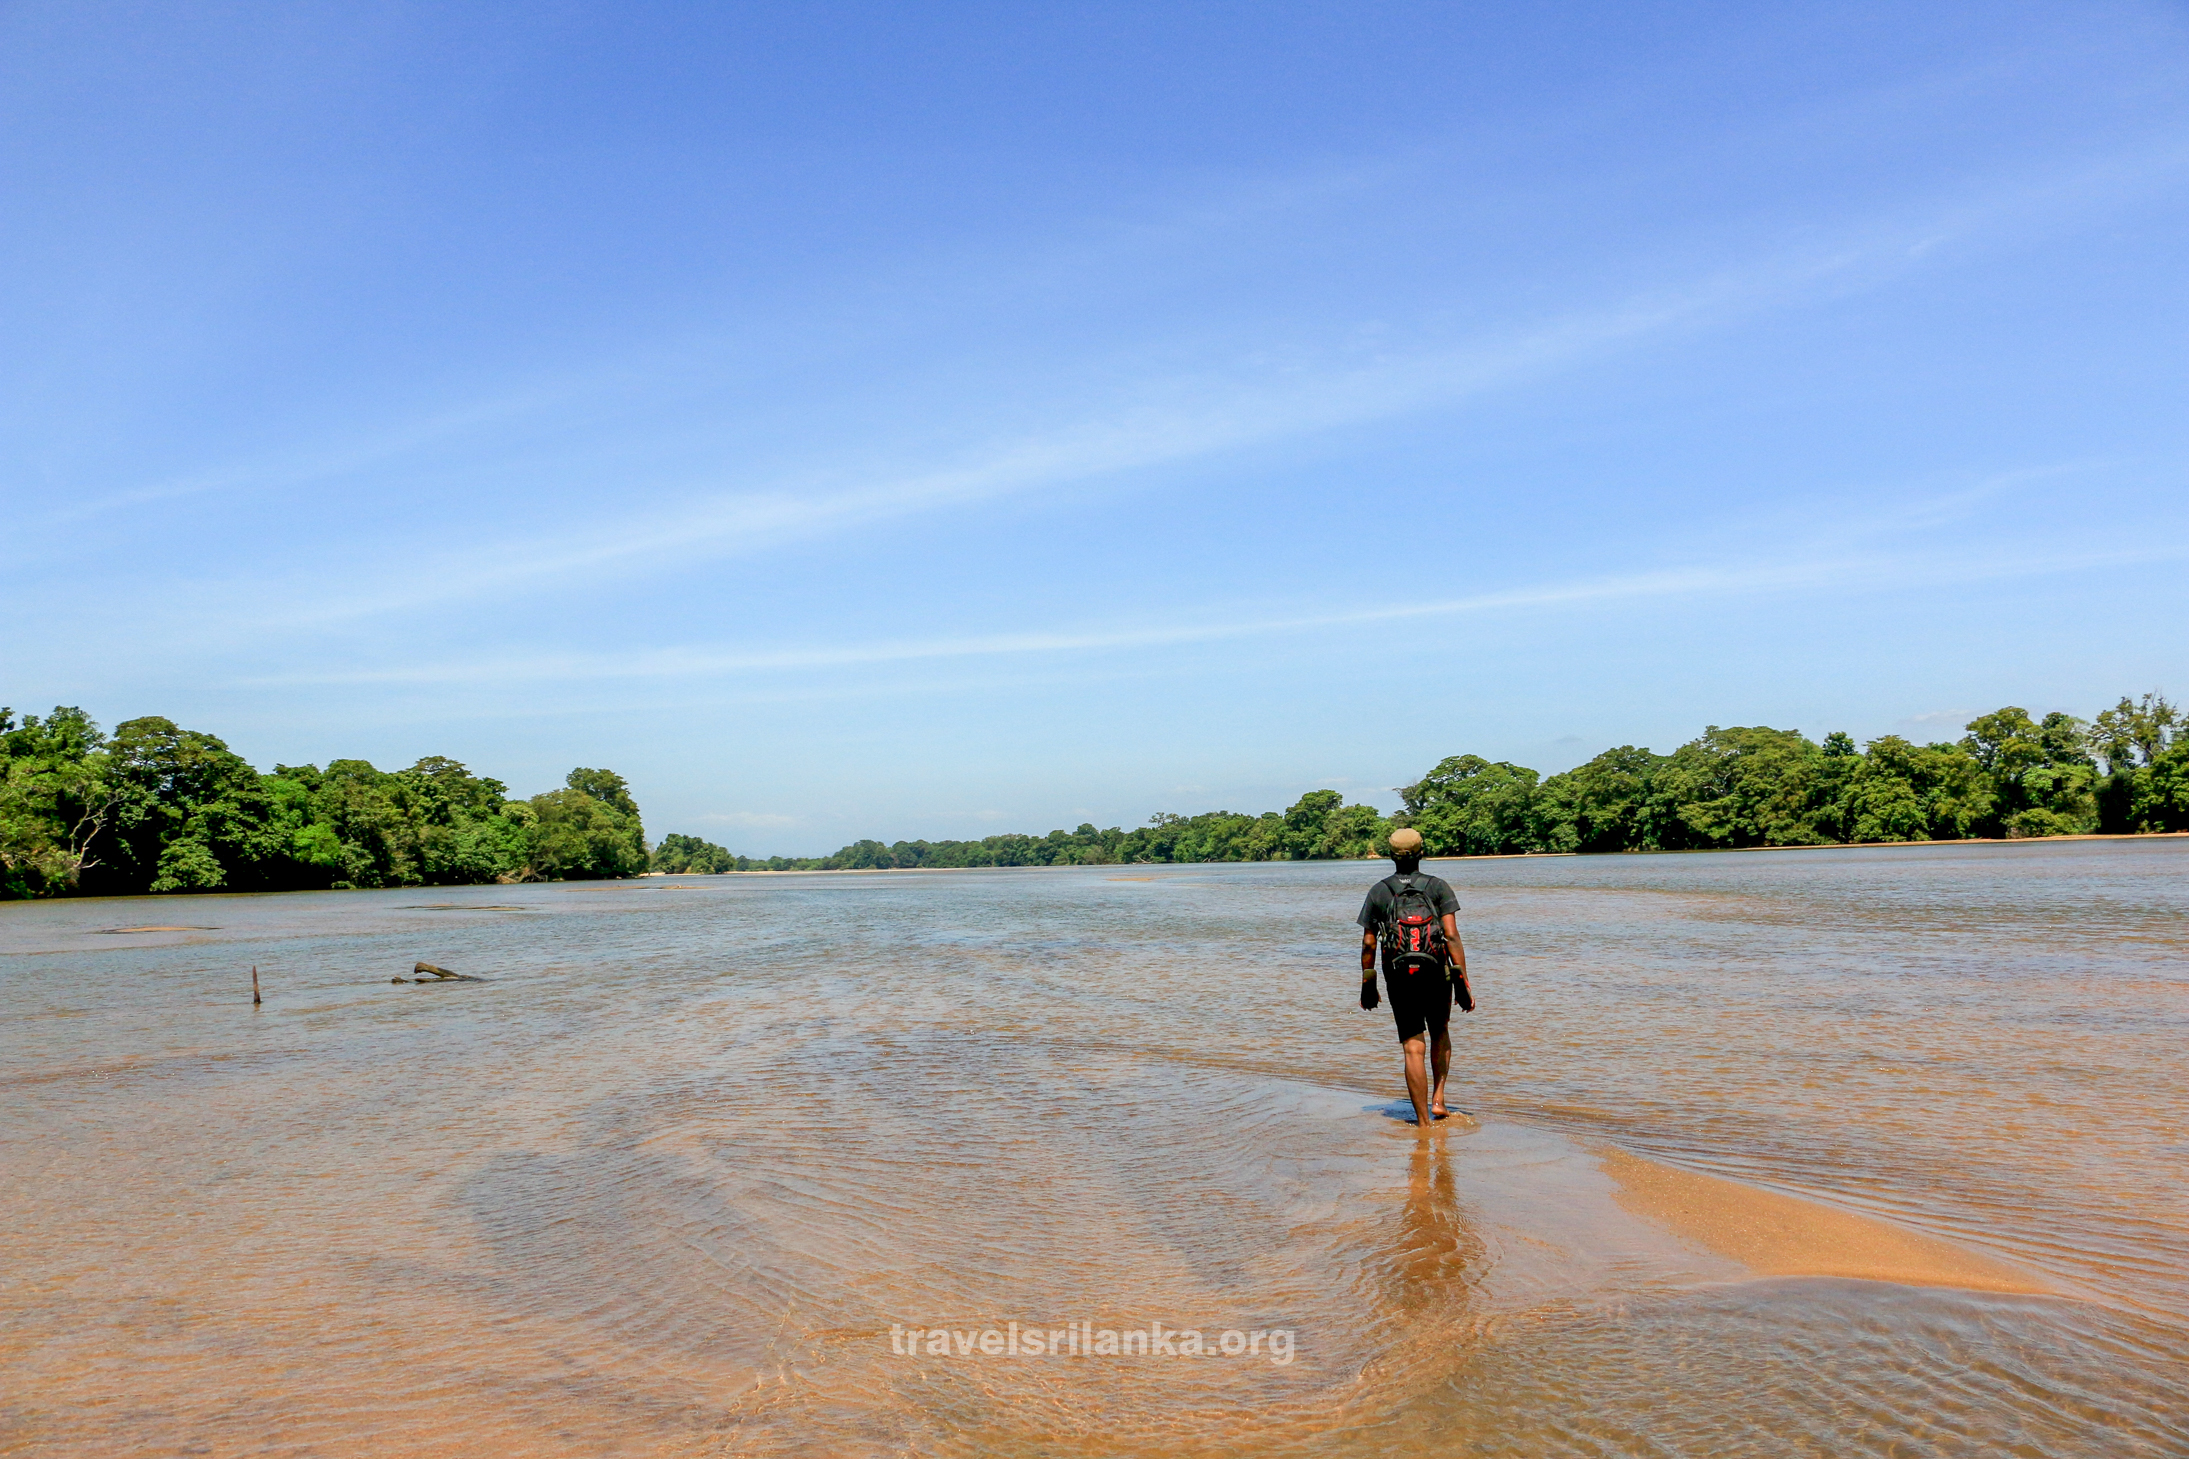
428 973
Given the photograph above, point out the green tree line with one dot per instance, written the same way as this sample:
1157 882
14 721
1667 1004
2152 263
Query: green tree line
155 808
2010 775
1318 827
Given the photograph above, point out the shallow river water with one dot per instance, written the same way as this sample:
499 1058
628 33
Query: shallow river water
1807 1152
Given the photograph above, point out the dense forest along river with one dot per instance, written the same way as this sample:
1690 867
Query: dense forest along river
1810 1152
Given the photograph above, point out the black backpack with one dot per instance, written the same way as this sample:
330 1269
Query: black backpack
1413 934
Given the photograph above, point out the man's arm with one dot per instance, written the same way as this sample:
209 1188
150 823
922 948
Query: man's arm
1369 996
1454 948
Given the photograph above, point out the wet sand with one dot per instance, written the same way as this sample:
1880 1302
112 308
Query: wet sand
666 1184
1776 1235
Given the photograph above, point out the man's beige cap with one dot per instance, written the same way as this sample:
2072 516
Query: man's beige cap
1406 841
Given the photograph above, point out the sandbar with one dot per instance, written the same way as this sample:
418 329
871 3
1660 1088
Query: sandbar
1780 1235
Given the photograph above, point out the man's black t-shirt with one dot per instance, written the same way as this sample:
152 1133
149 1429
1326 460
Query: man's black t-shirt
1377 909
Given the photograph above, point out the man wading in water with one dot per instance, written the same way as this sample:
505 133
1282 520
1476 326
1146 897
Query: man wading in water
1413 915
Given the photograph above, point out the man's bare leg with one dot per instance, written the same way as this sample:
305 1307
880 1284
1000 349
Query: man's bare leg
1440 1062
1417 1080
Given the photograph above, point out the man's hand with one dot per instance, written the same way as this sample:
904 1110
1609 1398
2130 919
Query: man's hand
1369 997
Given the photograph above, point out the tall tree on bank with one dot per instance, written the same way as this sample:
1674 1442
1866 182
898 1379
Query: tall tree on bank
587 830
2042 777
54 801
1469 806
2146 754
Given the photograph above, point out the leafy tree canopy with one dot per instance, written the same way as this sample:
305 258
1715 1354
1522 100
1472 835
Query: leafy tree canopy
160 808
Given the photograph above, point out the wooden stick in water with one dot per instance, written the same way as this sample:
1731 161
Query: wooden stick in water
254 986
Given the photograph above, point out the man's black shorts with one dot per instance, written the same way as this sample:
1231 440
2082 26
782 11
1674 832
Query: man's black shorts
1419 1001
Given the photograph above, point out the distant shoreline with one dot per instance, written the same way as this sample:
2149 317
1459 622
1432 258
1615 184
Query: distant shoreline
1499 856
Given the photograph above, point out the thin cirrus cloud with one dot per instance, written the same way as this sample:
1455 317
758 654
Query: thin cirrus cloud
1178 421
751 820
321 464
1839 572
1232 407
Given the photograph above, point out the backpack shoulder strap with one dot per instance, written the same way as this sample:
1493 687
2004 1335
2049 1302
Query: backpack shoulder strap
1391 888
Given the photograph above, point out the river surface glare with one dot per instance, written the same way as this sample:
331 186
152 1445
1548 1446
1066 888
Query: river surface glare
666 1182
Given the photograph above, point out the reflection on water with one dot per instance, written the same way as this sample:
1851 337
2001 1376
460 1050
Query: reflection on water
667 1182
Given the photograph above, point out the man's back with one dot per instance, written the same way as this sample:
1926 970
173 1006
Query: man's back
1376 911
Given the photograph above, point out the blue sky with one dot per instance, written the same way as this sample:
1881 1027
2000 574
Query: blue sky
934 420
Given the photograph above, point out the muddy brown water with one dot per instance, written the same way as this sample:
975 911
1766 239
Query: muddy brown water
1818 1152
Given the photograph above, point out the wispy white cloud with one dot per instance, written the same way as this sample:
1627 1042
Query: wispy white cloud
1255 399
325 461
1260 397
756 820
1173 421
1839 574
